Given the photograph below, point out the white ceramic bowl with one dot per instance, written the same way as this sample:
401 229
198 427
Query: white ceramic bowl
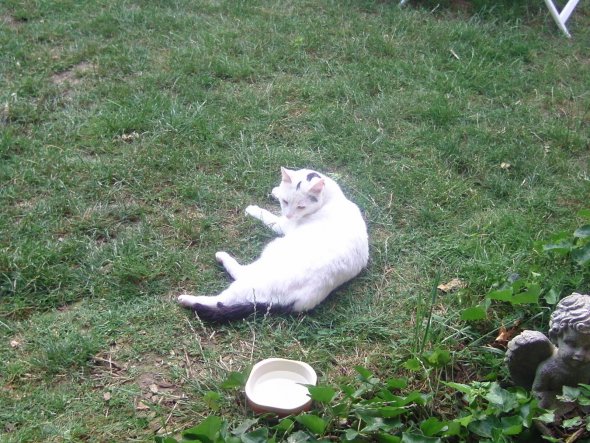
278 385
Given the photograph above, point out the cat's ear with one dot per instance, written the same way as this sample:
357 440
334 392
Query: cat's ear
286 175
317 188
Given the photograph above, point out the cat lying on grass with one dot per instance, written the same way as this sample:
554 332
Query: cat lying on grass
323 243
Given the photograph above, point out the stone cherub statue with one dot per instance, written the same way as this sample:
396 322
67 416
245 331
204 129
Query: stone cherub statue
535 363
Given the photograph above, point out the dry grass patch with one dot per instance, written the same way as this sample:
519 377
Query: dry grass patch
73 76
10 21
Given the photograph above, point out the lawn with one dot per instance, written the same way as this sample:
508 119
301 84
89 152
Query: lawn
134 134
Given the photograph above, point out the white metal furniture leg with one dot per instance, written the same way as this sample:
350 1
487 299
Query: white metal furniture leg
562 17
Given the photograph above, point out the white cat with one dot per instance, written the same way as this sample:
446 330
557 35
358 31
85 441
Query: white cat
324 244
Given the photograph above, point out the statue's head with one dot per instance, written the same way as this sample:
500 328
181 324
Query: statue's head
569 328
571 313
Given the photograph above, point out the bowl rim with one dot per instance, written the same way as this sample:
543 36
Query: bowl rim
309 374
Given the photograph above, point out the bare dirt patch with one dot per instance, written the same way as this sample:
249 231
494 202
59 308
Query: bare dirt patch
10 21
159 395
72 76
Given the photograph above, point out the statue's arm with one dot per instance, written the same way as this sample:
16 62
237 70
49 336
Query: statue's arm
546 386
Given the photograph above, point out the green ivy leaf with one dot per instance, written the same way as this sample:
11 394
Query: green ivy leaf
560 243
257 436
416 398
350 434
465 421
572 422
547 417
581 255
340 409
570 393
501 294
474 313
529 296
390 411
383 437
485 427
506 401
165 440
322 394
438 358
234 380
432 426
299 437
284 426
207 431
528 411
397 383
552 297
511 425
584 213
386 395
211 399
348 390
315 424
452 428
417 438
365 374
244 426
413 364
465 389
582 232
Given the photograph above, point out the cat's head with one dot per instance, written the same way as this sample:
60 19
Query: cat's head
300 193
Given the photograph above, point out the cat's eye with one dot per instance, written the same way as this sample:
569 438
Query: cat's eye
285 202
300 207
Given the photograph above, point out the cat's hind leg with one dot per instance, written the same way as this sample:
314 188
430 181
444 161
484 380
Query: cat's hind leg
236 302
233 294
190 301
233 268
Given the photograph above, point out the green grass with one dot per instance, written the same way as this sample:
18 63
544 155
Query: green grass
134 134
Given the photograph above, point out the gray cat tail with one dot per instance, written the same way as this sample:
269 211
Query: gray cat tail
223 313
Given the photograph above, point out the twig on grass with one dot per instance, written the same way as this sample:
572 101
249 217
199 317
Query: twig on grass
170 415
112 364
6 326
189 368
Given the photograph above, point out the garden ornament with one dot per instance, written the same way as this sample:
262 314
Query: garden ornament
534 362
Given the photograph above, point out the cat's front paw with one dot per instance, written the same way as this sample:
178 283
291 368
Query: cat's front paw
254 211
275 193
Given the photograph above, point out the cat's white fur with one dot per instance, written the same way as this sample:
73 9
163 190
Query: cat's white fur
323 244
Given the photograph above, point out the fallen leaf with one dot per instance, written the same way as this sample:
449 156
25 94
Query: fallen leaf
141 406
106 396
14 343
155 425
452 285
130 137
505 165
505 335
154 388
